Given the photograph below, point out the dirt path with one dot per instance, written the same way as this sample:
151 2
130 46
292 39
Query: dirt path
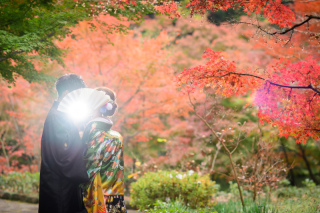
7 206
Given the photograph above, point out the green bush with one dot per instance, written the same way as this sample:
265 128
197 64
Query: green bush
192 189
18 182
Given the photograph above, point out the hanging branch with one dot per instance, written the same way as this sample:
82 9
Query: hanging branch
296 25
281 32
261 78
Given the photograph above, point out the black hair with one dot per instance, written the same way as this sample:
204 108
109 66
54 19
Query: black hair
69 82
113 97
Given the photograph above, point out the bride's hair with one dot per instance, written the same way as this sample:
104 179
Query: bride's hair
113 97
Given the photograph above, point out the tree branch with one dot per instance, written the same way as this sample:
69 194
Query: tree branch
270 82
283 32
296 25
295 87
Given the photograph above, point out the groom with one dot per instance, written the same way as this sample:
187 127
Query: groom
62 164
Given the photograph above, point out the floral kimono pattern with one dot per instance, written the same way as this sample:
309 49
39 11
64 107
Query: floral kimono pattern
104 161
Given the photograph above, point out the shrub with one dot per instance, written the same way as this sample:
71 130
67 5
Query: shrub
18 182
192 189
308 183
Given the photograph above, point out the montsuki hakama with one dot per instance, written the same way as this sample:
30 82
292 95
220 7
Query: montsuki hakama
62 165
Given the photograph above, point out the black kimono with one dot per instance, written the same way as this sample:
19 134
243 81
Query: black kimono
62 165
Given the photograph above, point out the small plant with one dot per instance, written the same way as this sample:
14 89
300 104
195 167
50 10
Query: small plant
284 182
308 183
193 190
262 169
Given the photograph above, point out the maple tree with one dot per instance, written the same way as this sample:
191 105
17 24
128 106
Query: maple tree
286 91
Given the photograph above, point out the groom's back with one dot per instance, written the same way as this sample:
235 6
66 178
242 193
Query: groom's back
62 165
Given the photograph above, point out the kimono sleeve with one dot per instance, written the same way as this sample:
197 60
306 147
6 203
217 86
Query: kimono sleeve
112 169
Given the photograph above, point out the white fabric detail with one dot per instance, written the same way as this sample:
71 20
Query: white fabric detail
109 106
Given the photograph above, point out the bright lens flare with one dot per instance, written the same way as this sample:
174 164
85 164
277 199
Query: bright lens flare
81 103
78 111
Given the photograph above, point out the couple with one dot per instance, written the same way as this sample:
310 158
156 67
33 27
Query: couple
81 175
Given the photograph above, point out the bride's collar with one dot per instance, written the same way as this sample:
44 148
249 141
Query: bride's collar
103 120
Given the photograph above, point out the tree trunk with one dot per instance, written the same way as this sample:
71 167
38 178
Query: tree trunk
2 138
255 178
234 173
134 165
292 180
303 155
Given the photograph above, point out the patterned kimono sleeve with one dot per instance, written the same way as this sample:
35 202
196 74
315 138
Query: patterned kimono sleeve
95 153
112 169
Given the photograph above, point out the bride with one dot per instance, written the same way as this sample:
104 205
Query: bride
104 161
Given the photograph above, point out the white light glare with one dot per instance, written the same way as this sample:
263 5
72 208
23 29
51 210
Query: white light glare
78 111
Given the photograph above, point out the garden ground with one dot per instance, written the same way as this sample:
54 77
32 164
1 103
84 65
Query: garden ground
7 206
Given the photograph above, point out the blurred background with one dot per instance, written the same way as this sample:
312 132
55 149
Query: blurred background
163 136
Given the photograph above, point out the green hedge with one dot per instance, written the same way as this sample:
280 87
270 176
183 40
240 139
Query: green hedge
25 183
192 189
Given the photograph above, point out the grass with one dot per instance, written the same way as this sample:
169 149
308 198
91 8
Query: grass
251 207
288 199
229 207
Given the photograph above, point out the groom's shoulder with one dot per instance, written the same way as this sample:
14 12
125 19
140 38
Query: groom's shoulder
54 113
57 117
